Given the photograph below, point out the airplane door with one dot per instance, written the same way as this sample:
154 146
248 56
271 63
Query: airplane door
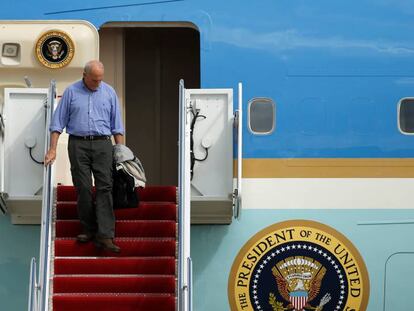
215 197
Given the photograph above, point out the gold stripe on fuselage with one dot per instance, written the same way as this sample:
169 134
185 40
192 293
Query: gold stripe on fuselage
328 168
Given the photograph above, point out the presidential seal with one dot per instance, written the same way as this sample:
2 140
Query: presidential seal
298 265
55 49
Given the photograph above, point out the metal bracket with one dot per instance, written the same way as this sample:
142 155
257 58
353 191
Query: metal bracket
1 122
3 205
236 203
236 119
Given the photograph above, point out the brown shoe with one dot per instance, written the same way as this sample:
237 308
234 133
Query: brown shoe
107 244
85 237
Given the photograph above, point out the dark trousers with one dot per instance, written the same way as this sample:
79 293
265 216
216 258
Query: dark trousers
89 157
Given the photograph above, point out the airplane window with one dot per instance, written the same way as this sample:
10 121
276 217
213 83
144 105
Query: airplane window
406 116
261 116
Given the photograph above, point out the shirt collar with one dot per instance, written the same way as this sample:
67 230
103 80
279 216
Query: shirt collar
88 89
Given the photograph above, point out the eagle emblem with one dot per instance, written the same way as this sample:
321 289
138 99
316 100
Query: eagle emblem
54 49
298 281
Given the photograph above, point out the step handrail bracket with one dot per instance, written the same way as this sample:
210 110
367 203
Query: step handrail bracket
184 217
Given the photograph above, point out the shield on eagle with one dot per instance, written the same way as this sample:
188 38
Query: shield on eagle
298 299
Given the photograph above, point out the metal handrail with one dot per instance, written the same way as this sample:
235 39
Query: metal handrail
238 194
39 285
184 260
45 240
33 286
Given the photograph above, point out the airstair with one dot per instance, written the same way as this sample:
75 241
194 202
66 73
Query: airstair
153 270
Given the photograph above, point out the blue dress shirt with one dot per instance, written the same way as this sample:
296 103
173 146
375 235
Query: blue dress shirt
84 112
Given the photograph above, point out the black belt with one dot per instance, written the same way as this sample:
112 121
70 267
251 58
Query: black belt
90 137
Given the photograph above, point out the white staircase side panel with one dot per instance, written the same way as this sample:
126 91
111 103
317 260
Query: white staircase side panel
212 177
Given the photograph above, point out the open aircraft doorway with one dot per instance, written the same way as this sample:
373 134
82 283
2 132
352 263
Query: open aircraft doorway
144 62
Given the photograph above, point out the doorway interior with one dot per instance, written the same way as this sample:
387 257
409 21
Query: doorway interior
144 62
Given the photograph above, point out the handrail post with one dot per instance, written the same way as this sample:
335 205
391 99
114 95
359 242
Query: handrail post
47 202
184 216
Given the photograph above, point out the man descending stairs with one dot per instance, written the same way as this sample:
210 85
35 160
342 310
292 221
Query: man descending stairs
142 277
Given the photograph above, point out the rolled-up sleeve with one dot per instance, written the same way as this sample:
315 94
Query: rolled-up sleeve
116 121
61 115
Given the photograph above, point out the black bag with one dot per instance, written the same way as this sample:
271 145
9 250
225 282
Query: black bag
123 192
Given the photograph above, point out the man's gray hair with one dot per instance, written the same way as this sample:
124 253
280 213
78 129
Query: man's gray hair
92 64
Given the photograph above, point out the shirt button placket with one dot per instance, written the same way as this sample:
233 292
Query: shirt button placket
89 113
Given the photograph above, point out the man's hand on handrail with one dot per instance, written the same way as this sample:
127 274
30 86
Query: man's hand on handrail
50 156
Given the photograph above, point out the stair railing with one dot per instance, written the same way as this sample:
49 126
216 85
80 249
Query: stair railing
39 287
184 300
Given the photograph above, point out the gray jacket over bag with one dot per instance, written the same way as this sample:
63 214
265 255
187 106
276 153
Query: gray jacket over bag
125 160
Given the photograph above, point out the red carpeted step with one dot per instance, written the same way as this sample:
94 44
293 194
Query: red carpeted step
145 210
115 265
152 193
123 228
111 302
158 193
129 247
140 278
114 284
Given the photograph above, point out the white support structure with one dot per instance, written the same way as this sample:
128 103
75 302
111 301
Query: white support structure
211 117
214 132
24 140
